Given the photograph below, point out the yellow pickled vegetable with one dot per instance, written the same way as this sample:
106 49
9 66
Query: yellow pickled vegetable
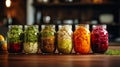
65 39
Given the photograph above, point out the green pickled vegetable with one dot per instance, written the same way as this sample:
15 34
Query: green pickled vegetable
31 34
14 34
48 31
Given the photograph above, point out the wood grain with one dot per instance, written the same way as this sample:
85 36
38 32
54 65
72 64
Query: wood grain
38 60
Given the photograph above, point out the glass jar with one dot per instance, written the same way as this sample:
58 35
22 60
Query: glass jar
47 44
31 39
81 38
99 39
64 39
15 42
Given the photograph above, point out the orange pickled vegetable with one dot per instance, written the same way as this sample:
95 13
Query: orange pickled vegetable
81 38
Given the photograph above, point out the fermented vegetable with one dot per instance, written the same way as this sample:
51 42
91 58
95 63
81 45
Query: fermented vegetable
31 47
64 39
99 39
31 39
81 40
48 39
15 42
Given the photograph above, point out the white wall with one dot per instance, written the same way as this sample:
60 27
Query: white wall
30 12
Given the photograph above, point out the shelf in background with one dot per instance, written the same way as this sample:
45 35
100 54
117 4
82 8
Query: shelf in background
75 5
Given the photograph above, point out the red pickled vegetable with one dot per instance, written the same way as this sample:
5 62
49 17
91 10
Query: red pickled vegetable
99 39
15 47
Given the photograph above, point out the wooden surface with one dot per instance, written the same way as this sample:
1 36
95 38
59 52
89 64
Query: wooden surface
25 60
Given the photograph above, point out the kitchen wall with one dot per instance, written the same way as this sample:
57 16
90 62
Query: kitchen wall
17 11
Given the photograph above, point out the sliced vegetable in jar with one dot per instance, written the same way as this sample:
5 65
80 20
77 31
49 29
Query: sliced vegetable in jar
31 34
64 39
31 47
48 39
14 33
81 38
99 39
31 39
15 39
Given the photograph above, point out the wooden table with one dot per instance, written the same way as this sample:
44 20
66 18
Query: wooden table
22 60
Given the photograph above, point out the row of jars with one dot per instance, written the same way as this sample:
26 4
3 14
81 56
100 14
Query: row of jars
31 40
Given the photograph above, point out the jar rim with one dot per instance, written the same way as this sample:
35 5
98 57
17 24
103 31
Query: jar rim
102 25
20 26
52 25
84 25
37 26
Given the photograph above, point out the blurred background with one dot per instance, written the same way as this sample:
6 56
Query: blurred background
30 12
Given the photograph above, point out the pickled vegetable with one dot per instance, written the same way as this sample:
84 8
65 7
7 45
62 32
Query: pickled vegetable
48 39
81 40
31 47
31 33
15 42
31 39
99 39
64 39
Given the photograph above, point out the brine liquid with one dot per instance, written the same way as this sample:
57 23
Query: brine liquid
15 47
99 40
